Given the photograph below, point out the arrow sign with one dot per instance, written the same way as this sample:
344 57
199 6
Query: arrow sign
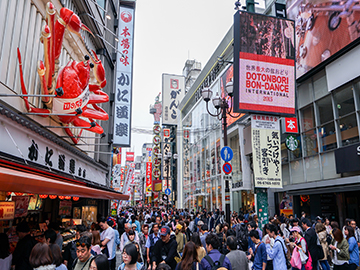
167 191
226 153
227 168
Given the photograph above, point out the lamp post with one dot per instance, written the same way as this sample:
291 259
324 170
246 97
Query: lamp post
168 157
223 109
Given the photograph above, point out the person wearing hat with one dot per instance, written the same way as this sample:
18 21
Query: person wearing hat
165 250
299 243
23 248
180 239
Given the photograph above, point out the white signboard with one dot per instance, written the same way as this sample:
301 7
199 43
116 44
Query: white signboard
266 149
173 92
124 67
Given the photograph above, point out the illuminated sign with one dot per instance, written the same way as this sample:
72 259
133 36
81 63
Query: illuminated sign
7 210
264 64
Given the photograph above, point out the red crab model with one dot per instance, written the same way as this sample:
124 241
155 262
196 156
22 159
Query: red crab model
71 84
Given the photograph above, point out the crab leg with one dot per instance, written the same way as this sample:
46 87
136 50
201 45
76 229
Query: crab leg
74 138
50 20
98 114
46 40
41 70
93 126
99 72
23 89
100 97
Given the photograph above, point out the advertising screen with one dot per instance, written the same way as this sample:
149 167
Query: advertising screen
322 28
264 64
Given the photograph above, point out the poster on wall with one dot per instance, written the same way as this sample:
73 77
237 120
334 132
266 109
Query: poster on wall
286 204
265 140
264 64
124 75
173 91
21 205
7 210
65 208
322 29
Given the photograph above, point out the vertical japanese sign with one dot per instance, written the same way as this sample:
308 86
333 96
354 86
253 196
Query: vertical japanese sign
173 92
264 64
148 178
266 151
124 69
186 149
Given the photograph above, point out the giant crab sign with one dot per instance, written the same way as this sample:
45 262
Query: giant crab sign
68 92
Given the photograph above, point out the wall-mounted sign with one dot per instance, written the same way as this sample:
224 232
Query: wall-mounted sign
291 143
157 129
173 92
264 64
166 132
291 125
156 140
347 158
7 210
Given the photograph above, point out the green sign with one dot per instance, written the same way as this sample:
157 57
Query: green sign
262 206
291 143
113 212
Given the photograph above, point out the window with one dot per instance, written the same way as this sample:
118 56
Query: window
344 100
309 136
308 119
305 93
327 132
348 130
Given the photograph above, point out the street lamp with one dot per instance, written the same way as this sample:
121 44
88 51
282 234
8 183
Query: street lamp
223 109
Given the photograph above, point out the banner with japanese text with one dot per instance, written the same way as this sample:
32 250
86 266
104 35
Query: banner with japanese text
173 91
148 176
124 69
264 64
265 140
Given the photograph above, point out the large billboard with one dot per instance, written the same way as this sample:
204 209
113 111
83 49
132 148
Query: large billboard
264 64
124 70
173 92
322 29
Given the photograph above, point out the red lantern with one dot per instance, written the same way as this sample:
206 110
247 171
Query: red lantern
8 193
304 198
52 197
61 197
30 194
75 199
19 193
67 197
43 196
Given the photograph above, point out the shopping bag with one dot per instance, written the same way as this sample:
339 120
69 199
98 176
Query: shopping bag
303 256
308 265
295 259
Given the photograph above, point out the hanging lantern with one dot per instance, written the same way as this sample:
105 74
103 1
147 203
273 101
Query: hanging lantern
75 199
52 197
61 197
304 198
67 197
19 193
30 194
43 196
8 193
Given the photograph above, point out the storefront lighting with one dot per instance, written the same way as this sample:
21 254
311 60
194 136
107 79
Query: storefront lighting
8 193
67 197
75 199
61 197
216 101
52 197
206 94
230 88
43 196
19 193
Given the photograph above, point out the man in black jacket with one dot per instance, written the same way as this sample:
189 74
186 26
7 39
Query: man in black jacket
165 250
23 248
311 240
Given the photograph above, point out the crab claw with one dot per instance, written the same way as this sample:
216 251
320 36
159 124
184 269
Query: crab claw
73 22
99 71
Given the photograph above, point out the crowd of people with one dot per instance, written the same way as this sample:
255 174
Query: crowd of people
181 240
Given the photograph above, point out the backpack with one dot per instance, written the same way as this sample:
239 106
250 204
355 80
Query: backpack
218 265
242 236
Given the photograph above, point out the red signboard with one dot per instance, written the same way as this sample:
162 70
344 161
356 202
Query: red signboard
166 132
148 178
130 156
291 125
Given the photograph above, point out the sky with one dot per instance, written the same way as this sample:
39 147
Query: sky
167 33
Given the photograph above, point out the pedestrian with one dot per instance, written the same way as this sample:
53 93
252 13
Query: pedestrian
340 249
107 238
23 248
41 257
353 248
258 255
189 260
150 243
143 236
237 258
299 244
124 237
278 251
204 232
57 257
356 231
311 241
165 250
201 253
266 237
180 239
322 235
129 258
121 223
214 256
5 255
137 223
99 262
95 244
83 253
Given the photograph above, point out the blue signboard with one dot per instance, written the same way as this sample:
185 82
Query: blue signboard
226 153
167 191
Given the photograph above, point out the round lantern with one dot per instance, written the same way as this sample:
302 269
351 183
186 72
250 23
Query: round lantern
67 197
75 199
61 197
52 197
43 196
8 193
19 193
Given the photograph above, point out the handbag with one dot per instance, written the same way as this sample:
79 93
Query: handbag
308 265
295 259
303 256
288 265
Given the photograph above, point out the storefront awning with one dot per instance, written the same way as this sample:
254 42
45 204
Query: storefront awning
12 180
